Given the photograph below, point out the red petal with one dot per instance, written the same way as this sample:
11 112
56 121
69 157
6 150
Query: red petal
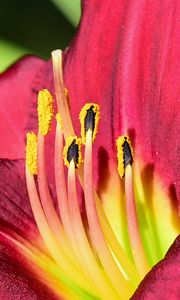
15 211
163 282
16 278
126 57
18 90
16 281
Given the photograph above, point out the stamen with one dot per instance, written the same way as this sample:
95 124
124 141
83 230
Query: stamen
111 237
60 175
89 119
72 151
125 151
124 154
100 244
133 226
68 220
46 200
61 190
45 111
96 274
62 195
122 257
31 153
46 234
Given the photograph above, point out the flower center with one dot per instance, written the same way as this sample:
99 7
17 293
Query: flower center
91 250
84 259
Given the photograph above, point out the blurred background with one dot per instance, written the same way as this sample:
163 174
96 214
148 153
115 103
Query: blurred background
36 27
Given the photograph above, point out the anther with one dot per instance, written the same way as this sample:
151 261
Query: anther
124 154
89 118
45 111
72 151
31 153
125 160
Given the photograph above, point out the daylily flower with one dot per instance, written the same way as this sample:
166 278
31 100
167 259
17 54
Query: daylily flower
100 225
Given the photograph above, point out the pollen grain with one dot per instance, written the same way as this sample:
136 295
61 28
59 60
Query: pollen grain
123 160
72 151
45 111
89 119
31 153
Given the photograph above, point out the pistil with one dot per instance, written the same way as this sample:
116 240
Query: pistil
125 160
61 94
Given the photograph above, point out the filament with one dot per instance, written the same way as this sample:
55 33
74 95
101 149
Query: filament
97 275
48 237
100 244
62 195
46 200
133 227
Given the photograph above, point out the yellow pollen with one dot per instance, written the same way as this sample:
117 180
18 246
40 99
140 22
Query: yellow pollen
121 154
59 120
72 150
89 124
31 153
45 111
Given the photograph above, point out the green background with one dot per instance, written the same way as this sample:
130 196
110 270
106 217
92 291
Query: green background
35 26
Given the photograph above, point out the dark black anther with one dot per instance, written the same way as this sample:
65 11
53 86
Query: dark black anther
73 153
90 119
127 154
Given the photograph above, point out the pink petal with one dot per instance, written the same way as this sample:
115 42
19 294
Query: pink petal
163 281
